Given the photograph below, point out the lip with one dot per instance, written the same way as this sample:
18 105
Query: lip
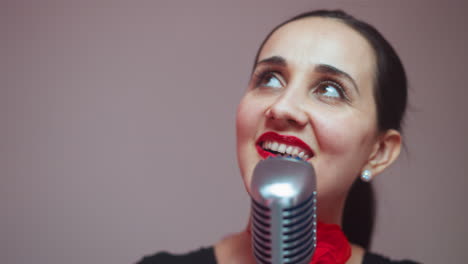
289 140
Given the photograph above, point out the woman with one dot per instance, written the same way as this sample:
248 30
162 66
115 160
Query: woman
329 89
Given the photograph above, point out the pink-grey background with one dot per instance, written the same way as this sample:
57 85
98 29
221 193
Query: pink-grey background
117 130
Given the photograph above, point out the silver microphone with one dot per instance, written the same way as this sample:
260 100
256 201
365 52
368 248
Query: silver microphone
283 211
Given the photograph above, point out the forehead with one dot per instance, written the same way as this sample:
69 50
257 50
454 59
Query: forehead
310 41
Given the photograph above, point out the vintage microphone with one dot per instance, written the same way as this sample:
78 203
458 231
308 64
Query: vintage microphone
283 211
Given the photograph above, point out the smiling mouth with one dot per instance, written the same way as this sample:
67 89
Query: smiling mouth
271 144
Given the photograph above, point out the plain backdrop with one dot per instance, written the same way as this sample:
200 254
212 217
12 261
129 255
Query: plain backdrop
117 126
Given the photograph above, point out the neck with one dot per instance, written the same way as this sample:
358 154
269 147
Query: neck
330 210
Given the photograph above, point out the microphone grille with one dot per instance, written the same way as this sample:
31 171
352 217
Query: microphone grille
283 221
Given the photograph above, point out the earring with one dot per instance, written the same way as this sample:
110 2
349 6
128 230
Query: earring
366 175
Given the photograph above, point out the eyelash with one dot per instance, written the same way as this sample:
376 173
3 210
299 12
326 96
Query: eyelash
259 77
336 84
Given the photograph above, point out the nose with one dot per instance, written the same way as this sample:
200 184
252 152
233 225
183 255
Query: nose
286 111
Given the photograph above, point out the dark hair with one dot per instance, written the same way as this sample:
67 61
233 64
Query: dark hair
390 87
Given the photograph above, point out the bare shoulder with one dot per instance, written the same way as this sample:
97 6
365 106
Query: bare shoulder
357 255
234 249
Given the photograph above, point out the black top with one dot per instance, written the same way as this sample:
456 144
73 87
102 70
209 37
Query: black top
207 256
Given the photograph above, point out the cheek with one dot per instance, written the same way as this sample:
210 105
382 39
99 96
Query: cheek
250 115
245 119
347 131
248 120
343 134
345 143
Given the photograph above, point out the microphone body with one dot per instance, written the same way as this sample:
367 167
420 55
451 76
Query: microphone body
283 211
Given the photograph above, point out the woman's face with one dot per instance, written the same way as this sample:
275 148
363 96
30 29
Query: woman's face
311 95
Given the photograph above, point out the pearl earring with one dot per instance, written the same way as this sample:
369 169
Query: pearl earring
366 175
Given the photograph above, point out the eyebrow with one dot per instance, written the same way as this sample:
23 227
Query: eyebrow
321 68
328 69
276 60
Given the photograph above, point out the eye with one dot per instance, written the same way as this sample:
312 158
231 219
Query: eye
269 80
331 90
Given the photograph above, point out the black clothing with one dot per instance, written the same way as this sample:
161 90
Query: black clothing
202 256
207 256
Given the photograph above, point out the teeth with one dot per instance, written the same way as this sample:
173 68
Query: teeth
282 148
295 152
274 146
285 149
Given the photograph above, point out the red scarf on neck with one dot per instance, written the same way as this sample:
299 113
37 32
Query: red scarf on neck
332 245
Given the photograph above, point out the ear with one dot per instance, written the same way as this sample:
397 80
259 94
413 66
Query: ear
385 151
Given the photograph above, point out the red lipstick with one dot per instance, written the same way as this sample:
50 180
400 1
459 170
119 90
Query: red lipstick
288 140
